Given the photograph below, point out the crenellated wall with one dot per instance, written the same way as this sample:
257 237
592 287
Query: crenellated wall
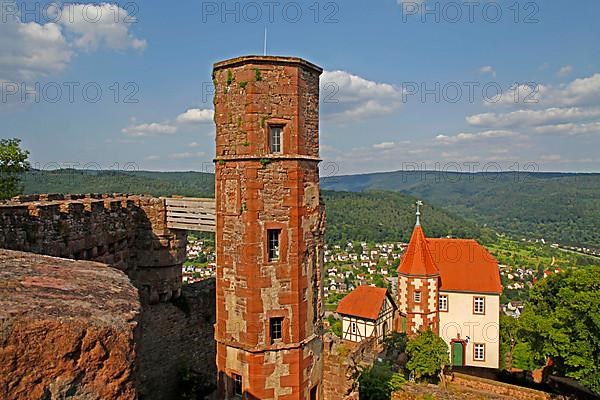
127 232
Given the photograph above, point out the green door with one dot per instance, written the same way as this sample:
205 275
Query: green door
457 354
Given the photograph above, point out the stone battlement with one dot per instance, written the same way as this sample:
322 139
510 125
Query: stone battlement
127 232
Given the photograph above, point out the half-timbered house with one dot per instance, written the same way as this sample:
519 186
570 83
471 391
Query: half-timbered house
366 312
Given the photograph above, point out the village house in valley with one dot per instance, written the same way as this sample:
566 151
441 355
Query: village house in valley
452 286
367 311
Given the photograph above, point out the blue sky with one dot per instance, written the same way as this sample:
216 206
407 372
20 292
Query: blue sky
153 60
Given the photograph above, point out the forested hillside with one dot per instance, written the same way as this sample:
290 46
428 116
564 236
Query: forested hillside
371 216
562 208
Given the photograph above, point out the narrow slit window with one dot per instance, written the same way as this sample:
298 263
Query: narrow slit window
275 136
273 244
237 385
276 327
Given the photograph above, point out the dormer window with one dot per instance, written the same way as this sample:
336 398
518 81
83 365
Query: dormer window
275 137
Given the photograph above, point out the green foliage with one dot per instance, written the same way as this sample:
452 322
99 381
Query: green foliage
508 338
522 357
335 325
386 216
379 382
428 355
396 342
243 84
265 161
562 321
230 77
13 162
562 208
193 385
257 75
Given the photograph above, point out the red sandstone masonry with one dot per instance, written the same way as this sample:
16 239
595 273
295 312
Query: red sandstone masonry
126 232
257 191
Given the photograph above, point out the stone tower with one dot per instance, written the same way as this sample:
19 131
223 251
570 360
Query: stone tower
270 225
418 285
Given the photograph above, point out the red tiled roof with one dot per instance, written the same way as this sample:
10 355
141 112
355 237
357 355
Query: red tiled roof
465 266
364 302
417 260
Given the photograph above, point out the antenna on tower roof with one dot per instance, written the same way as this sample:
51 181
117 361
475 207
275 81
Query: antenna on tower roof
419 204
265 49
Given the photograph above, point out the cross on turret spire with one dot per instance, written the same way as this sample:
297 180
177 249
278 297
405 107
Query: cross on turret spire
419 204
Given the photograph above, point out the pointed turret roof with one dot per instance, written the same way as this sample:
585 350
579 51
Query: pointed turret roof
418 260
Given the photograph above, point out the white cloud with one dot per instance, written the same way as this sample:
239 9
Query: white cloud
104 24
194 145
186 155
345 96
196 116
384 145
550 157
579 92
467 137
569 129
152 129
565 71
31 50
152 158
532 117
488 69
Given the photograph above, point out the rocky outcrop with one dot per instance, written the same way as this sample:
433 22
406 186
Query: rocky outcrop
68 329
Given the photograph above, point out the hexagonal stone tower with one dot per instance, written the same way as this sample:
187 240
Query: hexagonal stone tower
270 226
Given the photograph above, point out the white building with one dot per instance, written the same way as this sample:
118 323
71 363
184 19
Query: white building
452 287
367 311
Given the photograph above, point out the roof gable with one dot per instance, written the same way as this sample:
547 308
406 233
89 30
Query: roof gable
417 260
465 266
364 302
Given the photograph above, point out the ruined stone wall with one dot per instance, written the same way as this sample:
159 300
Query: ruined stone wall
258 191
126 232
68 329
343 362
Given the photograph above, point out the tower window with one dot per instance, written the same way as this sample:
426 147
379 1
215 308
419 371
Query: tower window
273 243
275 134
417 296
237 385
276 328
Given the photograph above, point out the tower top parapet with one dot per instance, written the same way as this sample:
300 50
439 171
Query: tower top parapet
271 60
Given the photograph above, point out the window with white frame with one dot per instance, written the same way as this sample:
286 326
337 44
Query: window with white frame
275 134
479 305
479 352
273 244
417 296
443 302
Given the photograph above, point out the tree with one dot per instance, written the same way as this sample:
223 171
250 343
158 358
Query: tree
561 321
13 162
428 355
379 381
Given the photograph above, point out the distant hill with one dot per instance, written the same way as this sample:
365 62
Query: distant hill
378 216
369 216
559 207
562 208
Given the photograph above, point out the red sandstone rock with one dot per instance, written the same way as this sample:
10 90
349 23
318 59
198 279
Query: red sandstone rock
67 329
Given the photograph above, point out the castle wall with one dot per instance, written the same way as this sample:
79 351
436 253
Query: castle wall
126 232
